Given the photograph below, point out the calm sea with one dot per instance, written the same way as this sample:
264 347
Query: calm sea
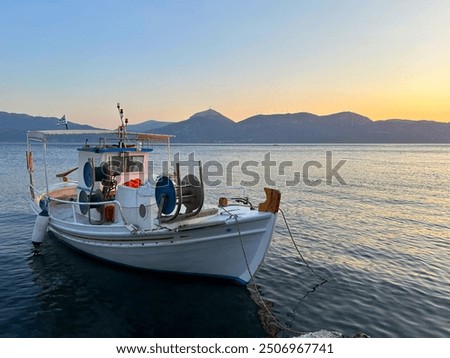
379 233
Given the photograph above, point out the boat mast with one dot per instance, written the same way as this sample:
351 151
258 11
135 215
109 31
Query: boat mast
122 127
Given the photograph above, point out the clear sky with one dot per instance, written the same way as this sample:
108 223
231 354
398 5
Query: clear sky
167 59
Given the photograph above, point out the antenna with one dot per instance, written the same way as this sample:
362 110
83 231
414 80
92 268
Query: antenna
120 114
123 127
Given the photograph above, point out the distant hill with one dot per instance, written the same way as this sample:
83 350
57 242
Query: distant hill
345 127
212 127
203 127
303 128
14 126
147 126
407 131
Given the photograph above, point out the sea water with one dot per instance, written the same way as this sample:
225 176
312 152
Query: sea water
372 222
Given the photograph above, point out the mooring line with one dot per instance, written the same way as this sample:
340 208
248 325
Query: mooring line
296 247
277 322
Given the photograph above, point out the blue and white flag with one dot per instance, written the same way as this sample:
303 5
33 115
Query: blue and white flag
62 121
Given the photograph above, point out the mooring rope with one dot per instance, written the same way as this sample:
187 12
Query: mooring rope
252 278
296 247
277 322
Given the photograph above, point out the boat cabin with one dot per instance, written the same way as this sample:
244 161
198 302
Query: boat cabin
113 184
116 172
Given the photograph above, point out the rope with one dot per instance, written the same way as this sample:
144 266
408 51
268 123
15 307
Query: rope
277 322
296 247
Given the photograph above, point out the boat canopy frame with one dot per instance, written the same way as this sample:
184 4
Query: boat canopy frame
125 143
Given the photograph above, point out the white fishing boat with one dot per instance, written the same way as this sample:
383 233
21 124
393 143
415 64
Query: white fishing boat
117 212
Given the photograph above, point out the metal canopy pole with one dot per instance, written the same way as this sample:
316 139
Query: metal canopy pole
30 168
45 163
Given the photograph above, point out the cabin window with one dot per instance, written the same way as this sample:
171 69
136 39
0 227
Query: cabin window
135 163
127 163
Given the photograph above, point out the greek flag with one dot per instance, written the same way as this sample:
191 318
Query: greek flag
62 121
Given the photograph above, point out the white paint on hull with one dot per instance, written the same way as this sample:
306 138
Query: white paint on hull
214 249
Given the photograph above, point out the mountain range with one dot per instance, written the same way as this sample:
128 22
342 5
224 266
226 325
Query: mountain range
212 127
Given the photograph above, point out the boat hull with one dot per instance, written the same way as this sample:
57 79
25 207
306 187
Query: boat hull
227 247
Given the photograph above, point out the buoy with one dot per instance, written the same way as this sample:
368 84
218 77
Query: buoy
40 227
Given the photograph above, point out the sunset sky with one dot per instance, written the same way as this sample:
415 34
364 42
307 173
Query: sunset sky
167 59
